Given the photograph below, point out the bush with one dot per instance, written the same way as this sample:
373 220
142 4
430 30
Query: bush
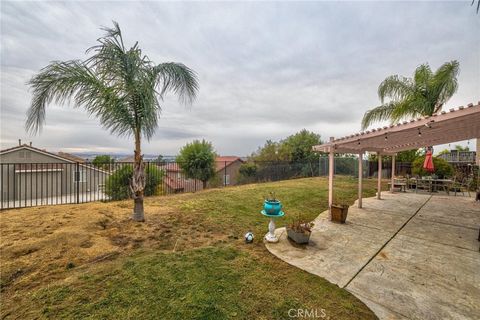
443 169
117 185
247 172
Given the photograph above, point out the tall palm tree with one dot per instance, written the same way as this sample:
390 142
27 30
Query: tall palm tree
121 87
422 95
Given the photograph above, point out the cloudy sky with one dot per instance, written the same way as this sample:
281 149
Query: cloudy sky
266 70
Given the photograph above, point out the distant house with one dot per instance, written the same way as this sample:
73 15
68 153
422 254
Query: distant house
176 182
227 169
29 173
459 157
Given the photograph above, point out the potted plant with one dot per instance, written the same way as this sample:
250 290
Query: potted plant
339 212
272 205
299 230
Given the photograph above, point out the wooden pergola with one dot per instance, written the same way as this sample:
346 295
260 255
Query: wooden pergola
458 124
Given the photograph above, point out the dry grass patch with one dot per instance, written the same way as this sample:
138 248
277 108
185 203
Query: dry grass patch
64 246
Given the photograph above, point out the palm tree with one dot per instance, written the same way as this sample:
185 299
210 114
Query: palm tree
478 4
422 95
121 87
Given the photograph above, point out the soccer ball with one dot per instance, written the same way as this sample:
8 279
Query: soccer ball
249 237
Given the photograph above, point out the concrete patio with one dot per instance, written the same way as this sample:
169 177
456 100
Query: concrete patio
407 256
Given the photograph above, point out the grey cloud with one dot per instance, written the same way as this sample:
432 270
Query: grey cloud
266 70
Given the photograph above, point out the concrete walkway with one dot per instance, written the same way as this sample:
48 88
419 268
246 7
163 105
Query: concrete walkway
407 256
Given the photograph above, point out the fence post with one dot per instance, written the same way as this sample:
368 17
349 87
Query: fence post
225 174
77 181
14 186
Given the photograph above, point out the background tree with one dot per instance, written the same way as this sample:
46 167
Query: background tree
197 161
443 169
103 161
403 156
294 148
422 95
269 152
117 185
160 160
460 148
121 87
298 147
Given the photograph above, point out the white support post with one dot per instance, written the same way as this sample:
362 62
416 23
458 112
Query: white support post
331 167
360 179
379 180
392 182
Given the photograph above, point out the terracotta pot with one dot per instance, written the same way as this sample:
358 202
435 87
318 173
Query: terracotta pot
339 212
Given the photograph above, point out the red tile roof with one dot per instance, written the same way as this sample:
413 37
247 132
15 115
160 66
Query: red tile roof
225 161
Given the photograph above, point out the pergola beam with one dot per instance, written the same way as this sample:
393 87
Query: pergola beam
456 125
442 128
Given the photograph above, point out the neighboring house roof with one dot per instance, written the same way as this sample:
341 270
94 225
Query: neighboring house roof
41 151
59 156
70 156
225 161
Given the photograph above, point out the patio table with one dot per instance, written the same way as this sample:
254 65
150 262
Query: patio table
433 185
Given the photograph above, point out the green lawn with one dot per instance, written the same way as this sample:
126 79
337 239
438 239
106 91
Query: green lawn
188 261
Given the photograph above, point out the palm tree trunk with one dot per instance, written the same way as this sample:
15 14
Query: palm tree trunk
137 184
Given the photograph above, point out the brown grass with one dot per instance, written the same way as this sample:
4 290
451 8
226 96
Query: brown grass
39 246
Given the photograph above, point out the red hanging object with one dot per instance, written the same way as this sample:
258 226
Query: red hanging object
428 163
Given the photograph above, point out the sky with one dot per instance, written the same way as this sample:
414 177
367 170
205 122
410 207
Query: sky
266 69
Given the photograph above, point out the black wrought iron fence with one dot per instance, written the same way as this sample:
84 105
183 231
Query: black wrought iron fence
36 184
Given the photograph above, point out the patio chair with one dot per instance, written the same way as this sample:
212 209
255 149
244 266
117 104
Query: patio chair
423 184
461 186
412 182
399 184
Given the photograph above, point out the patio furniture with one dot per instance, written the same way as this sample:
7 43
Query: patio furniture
411 183
400 184
433 185
462 186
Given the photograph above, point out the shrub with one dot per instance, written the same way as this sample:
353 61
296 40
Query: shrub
443 169
248 170
117 185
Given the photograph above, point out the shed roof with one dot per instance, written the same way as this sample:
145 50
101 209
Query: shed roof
458 124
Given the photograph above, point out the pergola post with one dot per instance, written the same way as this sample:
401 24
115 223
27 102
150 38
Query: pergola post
392 182
379 180
360 179
331 167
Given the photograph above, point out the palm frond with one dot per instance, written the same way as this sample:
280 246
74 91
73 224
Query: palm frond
395 88
178 78
444 82
421 78
478 5
379 113
412 107
116 84
62 82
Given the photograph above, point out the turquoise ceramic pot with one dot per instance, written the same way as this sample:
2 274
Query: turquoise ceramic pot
272 207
